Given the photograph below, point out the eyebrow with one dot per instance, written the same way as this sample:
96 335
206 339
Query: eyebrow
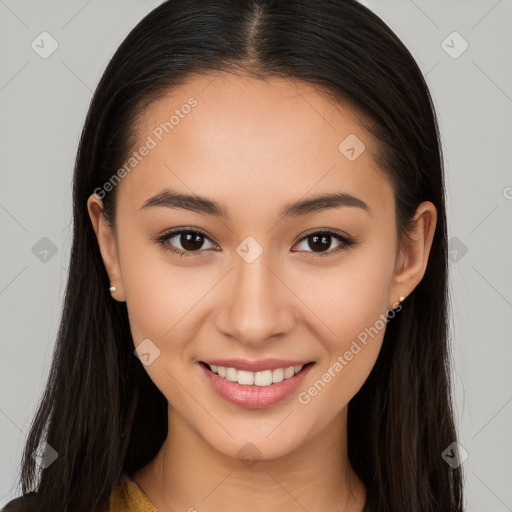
173 199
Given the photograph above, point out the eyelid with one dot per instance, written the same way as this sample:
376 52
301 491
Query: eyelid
330 231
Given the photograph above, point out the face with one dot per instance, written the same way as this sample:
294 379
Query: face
264 286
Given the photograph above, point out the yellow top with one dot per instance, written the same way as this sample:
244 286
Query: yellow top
128 497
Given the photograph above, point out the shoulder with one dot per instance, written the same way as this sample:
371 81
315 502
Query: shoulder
25 503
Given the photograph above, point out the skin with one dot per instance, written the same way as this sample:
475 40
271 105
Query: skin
255 146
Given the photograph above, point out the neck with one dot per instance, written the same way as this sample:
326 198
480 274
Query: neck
188 474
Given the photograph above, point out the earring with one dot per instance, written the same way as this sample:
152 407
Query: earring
400 298
112 289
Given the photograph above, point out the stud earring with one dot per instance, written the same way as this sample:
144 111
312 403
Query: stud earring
400 298
112 289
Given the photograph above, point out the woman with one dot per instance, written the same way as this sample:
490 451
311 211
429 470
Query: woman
256 309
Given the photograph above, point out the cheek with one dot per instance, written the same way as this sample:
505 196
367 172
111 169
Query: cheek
163 304
349 298
148 292
163 300
157 305
351 302
359 322
339 380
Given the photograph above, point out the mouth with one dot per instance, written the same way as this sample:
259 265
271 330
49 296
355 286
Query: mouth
254 389
266 377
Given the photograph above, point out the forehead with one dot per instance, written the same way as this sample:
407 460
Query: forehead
239 138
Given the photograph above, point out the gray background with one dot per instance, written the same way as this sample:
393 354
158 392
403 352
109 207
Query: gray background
43 103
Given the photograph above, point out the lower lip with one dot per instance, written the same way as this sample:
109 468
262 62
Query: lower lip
254 397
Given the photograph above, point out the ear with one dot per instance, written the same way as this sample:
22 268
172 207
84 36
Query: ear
414 252
107 244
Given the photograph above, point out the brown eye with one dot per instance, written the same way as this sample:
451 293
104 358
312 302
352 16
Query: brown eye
320 241
186 242
191 241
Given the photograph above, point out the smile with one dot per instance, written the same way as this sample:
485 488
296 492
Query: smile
261 388
261 378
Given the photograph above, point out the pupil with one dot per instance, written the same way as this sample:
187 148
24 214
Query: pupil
190 240
322 239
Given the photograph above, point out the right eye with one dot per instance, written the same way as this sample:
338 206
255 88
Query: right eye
190 241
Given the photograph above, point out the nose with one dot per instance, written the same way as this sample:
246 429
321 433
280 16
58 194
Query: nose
255 305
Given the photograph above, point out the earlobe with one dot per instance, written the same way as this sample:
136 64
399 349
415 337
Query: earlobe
107 245
414 252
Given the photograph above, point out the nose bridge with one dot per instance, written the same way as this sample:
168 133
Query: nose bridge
255 308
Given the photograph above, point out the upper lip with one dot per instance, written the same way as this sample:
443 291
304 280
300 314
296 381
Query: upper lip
256 366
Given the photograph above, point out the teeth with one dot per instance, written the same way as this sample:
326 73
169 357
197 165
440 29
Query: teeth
246 378
231 374
277 375
263 378
289 372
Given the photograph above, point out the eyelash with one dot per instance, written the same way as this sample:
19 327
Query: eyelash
346 242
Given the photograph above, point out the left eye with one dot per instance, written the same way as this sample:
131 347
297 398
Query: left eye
321 240
191 241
